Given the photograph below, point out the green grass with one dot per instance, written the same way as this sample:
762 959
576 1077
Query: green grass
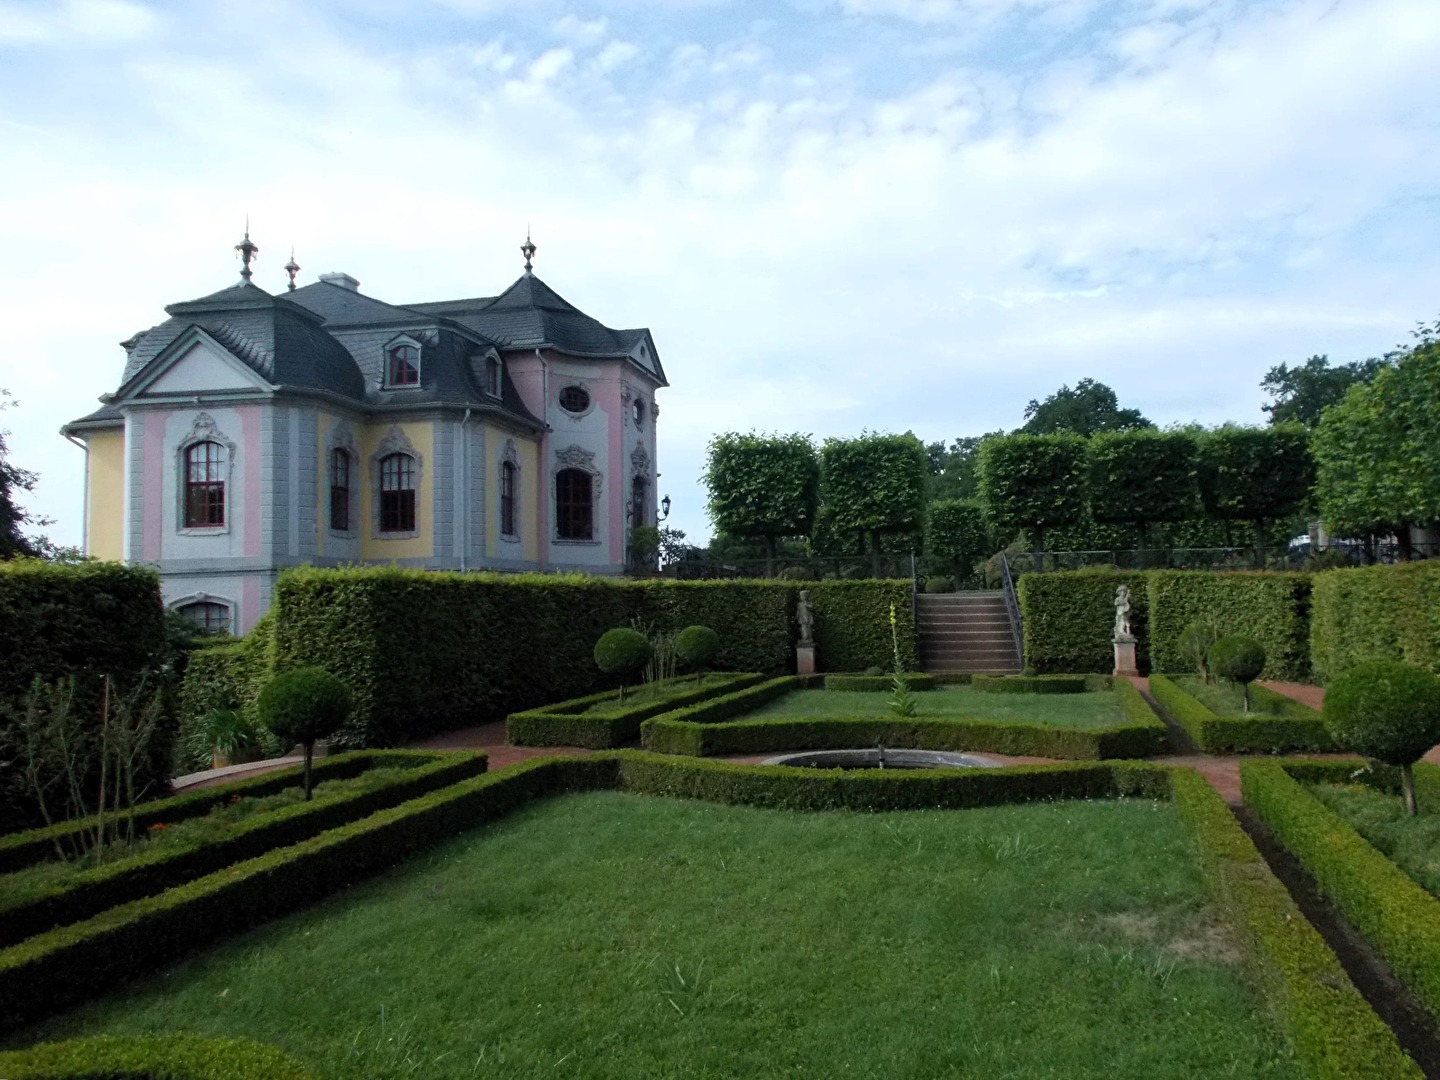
610 935
1413 844
25 885
1220 697
1092 710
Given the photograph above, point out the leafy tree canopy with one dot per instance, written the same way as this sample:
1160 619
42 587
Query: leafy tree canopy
1255 474
1090 407
1142 476
1306 390
875 483
1033 482
13 542
762 485
955 530
952 468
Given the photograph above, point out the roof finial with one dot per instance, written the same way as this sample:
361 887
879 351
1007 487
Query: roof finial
292 268
527 249
247 251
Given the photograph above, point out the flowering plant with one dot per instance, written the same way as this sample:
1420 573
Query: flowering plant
902 700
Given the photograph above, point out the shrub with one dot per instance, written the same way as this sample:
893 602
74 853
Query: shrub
1238 659
869 682
1195 641
1281 725
796 573
1036 684
302 706
1272 608
697 647
1376 613
623 652
939 583
1388 711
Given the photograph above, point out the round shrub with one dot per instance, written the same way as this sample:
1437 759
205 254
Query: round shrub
697 646
939 584
301 706
795 573
1388 711
1239 659
622 651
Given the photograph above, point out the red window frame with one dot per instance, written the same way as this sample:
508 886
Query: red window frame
403 366
205 486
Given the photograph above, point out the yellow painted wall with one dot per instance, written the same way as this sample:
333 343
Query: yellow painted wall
105 512
530 487
529 508
422 546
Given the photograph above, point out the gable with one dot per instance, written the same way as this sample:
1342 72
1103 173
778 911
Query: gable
201 367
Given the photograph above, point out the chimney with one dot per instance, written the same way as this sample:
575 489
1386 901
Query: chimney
345 281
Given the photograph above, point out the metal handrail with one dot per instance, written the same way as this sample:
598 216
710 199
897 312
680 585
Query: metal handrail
1012 604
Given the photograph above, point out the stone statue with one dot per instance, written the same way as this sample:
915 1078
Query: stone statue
806 618
1122 614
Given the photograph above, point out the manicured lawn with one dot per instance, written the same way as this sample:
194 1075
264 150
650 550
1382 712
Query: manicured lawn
1220 697
1413 844
1062 710
611 935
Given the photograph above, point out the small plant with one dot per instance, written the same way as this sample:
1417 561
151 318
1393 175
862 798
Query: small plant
222 735
302 706
697 647
623 652
1387 711
1238 659
1195 641
663 657
902 700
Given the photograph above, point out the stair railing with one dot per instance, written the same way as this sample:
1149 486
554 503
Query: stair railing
914 597
1012 606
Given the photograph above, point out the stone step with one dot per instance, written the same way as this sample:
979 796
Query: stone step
973 669
986 623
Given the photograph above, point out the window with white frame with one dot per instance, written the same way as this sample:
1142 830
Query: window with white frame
402 365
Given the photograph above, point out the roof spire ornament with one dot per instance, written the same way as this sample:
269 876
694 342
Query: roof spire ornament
247 251
528 250
292 268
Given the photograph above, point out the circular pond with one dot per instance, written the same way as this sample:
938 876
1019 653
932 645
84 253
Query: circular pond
881 758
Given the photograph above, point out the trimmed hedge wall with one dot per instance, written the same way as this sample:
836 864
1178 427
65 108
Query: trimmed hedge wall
151 1057
1039 684
1274 609
1396 915
567 723
1069 619
497 644
108 886
1332 1030
1376 613
1280 725
870 683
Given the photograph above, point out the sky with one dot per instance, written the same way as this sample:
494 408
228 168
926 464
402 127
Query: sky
833 215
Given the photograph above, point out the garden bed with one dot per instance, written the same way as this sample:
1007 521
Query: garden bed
1276 724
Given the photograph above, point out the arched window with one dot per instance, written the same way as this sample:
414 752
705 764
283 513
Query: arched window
492 377
340 490
507 498
205 486
637 412
574 505
397 493
403 366
637 503
208 616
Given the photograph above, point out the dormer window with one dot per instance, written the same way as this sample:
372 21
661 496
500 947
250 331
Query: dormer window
402 366
492 376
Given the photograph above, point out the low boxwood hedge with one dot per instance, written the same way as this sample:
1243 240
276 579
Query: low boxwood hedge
18 850
1040 684
914 680
109 885
1395 914
566 723
151 1057
1283 726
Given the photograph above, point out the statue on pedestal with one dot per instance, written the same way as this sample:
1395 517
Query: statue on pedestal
1122 614
806 618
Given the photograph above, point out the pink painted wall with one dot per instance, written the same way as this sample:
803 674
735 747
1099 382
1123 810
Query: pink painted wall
250 454
249 603
154 489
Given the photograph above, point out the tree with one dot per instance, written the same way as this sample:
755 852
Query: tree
303 705
1143 476
13 543
763 486
1090 407
623 652
955 531
874 485
1388 711
1033 482
1357 475
952 468
1238 659
1304 392
1255 474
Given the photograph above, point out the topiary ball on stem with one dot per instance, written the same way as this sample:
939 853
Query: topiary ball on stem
301 706
1239 659
697 647
1388 711
623 652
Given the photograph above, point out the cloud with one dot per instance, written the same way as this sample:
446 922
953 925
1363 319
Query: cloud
75 22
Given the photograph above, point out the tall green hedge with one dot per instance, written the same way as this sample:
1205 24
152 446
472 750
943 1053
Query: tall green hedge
1376 613
1069 619
425 652
1274 609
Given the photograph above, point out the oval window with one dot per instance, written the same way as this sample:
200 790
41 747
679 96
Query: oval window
574 399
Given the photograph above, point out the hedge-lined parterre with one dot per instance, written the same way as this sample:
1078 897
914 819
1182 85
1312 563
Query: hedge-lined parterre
871 683
1040 684
1279 725
151 1057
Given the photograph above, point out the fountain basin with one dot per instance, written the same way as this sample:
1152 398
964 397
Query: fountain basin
876 758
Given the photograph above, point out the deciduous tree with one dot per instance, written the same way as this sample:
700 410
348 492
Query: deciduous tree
875 485
763 486
1033 482
1090 407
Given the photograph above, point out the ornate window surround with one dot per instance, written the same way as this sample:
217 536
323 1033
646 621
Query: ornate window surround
395 442
205 598
583 384
415 343
203 429
342 437
510 455
577 457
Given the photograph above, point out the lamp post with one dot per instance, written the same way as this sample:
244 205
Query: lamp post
664 509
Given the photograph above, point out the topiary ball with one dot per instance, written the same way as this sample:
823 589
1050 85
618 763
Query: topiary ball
939 584
1239 659
1384 710
622 651
697 646
303 705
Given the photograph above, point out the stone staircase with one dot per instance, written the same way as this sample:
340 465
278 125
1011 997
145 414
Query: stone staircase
965 631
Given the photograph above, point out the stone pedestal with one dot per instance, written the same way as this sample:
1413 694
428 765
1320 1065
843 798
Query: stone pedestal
1125 657
805 659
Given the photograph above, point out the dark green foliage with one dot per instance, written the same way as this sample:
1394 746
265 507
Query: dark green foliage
1069 619
1273 609
762 485
1255 474
1138 477
1278 725
1091 407
870 683
110 885
1032 482
1334 1034
697 647
1376 613
874 485
1038 684
939 583
955 532
622 651
1195 641
852 624
303 705
1237 658
151 1057
1305 391
1388 711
